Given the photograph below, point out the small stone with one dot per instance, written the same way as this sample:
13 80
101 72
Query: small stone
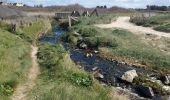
76 34
83 46
95 68
96 74
95 51
89 55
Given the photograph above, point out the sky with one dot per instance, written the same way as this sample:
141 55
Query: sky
94 3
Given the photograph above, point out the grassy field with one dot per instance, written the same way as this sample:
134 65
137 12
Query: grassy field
121 45
14 62
34 30
158 22
61 79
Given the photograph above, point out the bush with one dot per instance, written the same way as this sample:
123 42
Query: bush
92 42
7 88
87 32
163 28
81 79
107 42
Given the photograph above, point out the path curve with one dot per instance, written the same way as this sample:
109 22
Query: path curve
123 22
22 89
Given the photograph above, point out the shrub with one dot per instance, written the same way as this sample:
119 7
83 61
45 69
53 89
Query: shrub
163 28
7 88
92 42
87 32
108 42
81 79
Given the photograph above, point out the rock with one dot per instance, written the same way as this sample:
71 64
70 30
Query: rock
165 79
89 55
145 91
129 76
94 69
95 51
83 46
167 88
80 67
96 74
76 34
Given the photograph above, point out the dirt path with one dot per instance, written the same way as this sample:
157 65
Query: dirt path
123 22
22 89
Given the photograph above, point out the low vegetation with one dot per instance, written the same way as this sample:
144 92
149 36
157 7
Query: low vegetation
158 22
146 81
14 62
96 20
61 79
33 31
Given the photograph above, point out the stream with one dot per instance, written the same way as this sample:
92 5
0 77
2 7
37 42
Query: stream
109 69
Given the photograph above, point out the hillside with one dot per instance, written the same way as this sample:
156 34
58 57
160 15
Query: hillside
6 12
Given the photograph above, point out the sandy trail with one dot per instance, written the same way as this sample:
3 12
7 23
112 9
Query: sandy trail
22 89
123 22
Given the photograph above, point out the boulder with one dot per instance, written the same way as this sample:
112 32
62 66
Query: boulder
129 76
165 79
145 91
83 45
96 74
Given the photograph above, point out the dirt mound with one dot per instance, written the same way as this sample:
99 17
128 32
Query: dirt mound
6 12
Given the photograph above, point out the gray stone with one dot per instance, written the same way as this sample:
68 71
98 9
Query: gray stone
129 76
95 51
94 69
89 55
76 34
165 79
83 46
96 74
145 91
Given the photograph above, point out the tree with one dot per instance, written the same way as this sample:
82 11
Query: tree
105 6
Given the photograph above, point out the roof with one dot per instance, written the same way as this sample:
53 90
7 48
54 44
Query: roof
99 11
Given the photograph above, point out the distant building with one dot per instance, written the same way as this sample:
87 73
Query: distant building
3 3
86 13
75 14
99 12
18 4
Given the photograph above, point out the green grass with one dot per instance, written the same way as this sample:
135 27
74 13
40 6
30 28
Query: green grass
159 22
61 79
96 19
34 31
14 62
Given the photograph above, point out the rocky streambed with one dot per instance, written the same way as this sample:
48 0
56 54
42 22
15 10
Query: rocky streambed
134 81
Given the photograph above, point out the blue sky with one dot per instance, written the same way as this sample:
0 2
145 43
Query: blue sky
93 3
